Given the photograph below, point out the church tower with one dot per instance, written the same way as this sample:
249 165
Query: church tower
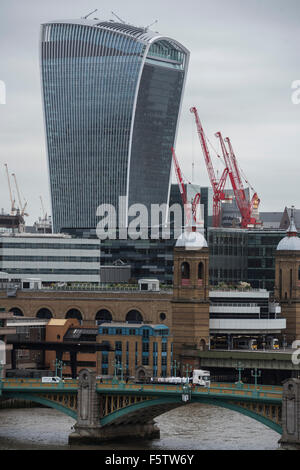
190 303
287 280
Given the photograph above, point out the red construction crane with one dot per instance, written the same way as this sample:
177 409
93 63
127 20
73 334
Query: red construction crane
245 207
182 189
217 185
255 201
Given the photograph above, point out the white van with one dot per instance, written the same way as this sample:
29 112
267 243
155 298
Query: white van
49 380
201 377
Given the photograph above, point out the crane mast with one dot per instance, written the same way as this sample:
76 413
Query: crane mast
217 185
245 207
252 206
13 208
182 189
22 209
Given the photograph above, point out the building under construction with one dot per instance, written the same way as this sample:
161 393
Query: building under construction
14 222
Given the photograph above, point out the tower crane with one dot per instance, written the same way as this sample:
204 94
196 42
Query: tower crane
43 210
13 208
182 189
255 201
22 209
245 207
120 19
217 185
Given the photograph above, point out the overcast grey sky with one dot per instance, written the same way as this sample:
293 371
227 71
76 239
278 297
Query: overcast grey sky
244 58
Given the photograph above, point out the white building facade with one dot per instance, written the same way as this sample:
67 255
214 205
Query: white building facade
50 257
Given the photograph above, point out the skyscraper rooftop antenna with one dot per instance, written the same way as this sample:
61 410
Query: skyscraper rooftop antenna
120 19
89 14
149 26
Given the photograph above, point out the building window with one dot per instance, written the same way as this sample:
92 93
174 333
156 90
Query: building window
200 271
146 333
134 316
74 313
162 316
104 358
103 316
17 311
185 270
145 360
44 313
118 346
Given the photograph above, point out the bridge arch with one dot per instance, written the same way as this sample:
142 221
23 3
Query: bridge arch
154 407
43 400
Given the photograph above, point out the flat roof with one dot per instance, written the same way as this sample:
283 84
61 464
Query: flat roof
133 325
57 322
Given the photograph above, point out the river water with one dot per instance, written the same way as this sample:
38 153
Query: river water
189 427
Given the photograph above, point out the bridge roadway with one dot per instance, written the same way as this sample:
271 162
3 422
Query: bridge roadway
121 403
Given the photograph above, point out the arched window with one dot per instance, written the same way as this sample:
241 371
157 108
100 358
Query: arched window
200 274
74 313
103 316
17 311
185 270
44 313
200 271
134 316
185 273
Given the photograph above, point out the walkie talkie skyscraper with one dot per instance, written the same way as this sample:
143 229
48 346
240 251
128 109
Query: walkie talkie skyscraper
111 94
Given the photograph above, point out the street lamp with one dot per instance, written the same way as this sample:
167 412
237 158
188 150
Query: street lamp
256 374
239 368
58 367
114 363
188 369
174 366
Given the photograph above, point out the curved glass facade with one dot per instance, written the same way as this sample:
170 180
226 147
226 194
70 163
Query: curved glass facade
111 98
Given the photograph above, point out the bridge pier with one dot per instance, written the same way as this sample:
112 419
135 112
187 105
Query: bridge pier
290 438
88 429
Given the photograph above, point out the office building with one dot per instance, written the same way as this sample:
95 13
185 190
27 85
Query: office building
138 347
112 95
49 257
